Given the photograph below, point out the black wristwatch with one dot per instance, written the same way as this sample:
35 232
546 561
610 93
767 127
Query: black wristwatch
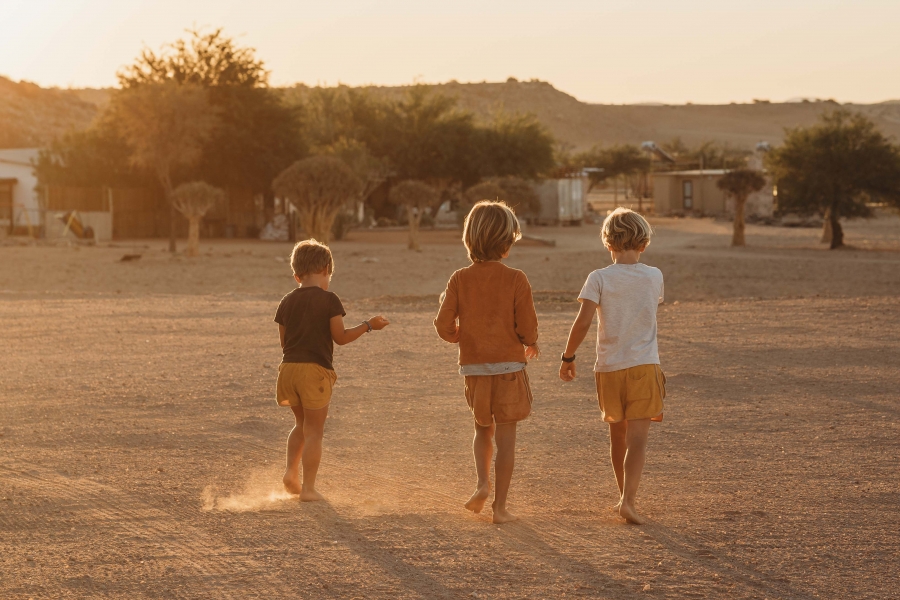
567 360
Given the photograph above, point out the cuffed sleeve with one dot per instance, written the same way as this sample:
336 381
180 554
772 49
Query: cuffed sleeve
445 322
525 317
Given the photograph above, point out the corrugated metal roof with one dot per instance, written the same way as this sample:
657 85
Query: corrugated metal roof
694 173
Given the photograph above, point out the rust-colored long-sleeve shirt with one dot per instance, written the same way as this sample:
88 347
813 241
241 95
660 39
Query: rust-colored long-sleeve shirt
495 310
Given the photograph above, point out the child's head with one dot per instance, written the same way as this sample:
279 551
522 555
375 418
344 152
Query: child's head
490 230
309 257
624 230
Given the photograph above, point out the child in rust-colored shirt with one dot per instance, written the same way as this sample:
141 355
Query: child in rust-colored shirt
488 310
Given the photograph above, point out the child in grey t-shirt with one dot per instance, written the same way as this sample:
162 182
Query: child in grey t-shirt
630 383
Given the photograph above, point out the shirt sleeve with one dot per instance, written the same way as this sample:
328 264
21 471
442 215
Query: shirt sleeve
593 287
280 312
526 316
336 308
445 322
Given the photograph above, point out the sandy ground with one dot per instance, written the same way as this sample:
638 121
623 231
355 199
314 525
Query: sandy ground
142 448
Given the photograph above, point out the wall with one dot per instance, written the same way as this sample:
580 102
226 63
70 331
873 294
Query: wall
17 163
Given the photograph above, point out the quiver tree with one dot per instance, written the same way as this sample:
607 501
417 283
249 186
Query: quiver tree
319 188
834 168
416 197
194 200
165 125
740 183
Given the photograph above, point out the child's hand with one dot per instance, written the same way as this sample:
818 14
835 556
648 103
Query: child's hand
532 351
378 322
567 370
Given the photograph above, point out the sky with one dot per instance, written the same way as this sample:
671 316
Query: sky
602 51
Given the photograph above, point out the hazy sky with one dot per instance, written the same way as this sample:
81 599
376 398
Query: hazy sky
609 51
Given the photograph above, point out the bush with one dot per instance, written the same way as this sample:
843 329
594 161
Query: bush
343 223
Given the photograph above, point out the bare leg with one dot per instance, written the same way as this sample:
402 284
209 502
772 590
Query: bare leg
483 450
313 429
636 440
617 447
503 470
291 477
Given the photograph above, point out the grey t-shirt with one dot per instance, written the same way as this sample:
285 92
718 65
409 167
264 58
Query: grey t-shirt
628 296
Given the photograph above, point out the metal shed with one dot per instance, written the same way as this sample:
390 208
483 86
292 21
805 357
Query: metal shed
562 200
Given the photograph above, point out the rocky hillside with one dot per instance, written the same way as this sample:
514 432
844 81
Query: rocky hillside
31 116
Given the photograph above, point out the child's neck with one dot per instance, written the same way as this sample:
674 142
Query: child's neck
625 257
314 280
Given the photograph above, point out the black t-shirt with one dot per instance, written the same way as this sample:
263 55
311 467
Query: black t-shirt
305 314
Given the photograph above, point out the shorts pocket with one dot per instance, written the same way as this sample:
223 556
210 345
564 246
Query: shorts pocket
639 384
508 377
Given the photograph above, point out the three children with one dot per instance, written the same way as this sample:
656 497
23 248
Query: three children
488 309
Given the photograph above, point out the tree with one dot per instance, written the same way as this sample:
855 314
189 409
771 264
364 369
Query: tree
833 168
612 163
165 125
258 136
519 194
319 187
515 146
416 197
194 200
740 183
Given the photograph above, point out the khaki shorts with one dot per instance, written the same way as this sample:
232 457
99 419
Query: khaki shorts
499 399
304 384
632 393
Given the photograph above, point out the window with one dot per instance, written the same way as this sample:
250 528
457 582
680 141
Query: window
687 194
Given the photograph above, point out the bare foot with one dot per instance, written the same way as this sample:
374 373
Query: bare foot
476 502
501 515
629 514
310 496
291 483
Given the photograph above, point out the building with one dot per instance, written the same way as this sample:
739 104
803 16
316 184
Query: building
696 192
19 199
562 200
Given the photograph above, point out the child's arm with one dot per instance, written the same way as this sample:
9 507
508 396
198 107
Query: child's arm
526 318
579 331
281 334
445 322
342 336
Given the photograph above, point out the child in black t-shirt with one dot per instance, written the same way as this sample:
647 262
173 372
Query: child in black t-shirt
310 319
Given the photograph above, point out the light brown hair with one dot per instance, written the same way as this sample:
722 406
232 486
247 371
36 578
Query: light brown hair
490 230
309 256
623 229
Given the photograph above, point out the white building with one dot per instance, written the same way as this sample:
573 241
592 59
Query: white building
19 198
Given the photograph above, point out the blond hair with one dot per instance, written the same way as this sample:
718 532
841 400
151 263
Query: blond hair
623 229
310 256
490 230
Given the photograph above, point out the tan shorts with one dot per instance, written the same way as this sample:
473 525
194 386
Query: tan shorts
499 399
304 384
632 393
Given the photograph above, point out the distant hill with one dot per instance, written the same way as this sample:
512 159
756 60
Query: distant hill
30 115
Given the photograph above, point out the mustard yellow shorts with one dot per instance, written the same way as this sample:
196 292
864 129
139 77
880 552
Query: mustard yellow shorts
304 384
504 398
632 393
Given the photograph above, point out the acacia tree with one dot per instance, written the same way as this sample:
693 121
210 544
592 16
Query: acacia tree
194 200
833 168
613 163
258 135
165 125
416 197
319 187
740 183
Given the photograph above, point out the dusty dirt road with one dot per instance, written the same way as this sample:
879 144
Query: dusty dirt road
142 448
